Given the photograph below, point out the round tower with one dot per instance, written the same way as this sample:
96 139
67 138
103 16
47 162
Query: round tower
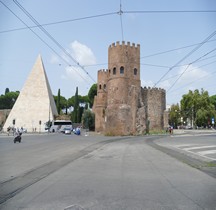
100 100
124 71
123 88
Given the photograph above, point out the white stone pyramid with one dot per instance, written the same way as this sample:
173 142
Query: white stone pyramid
35 104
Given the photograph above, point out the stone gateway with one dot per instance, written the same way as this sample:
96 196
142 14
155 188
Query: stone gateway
122 106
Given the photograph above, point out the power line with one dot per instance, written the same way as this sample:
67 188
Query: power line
148 64
40 38
188 67
180 48
200 60
172 11
60 22
189 70
194 81
120 14
105 14
186 56
52 38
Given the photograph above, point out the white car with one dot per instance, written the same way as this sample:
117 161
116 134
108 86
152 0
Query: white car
67 130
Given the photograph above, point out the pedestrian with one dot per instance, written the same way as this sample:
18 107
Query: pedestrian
8 130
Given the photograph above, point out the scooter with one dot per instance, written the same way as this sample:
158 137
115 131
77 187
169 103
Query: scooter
18 138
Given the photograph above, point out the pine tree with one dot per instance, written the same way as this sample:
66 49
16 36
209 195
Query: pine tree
7 91
76 106
58 102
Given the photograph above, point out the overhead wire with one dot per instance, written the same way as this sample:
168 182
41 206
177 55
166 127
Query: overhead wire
172 11
52 49
180 48
186 56
53 39
187 68
120 14
60 22
200 78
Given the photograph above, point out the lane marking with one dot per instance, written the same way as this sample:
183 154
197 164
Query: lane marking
207 152
196 153
200 147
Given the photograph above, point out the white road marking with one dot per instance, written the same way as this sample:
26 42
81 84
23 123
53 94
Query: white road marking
187 148
185 145
200 147
207 152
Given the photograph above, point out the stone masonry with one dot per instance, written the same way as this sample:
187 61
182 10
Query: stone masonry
35 104
122 106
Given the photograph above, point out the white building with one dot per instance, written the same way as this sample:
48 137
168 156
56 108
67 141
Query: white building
35 104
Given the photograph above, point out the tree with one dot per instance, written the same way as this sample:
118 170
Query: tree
92 93
76 107
88 120
201 117
8 100
213 100
175 116
197 107
59 102
7 91
63 102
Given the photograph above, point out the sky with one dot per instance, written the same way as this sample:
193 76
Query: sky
177 49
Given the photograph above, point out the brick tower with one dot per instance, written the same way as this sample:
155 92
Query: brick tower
123 87
100 101
122 106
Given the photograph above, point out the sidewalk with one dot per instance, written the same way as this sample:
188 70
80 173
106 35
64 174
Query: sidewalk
193 131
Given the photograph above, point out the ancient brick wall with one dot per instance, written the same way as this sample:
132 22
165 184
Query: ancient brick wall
122 106
154 102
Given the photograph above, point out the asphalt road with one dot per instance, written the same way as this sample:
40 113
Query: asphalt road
95 172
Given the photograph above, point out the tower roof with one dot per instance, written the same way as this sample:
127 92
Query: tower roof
35 102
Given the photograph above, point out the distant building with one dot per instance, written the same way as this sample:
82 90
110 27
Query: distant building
122 106
35 104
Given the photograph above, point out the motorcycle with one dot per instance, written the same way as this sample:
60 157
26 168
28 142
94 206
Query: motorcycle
18 138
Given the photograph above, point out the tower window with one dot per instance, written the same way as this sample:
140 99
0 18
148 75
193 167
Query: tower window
135 71
121 70
114 70
104 87
100 87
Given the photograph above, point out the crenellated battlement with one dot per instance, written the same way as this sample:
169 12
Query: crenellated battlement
122 106
123 43
103 70
155 89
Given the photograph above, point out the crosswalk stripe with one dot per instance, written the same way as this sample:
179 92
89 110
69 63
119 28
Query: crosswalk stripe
190 148
201 147
185 145
207 152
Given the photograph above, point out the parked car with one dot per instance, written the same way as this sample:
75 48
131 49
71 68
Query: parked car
67 130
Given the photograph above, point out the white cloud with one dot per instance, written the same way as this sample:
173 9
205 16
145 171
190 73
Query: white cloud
192 73
82 53
75 74
84 56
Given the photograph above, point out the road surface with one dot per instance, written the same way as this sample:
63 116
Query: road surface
94 172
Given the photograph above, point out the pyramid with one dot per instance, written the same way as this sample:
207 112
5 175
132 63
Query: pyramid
35 104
